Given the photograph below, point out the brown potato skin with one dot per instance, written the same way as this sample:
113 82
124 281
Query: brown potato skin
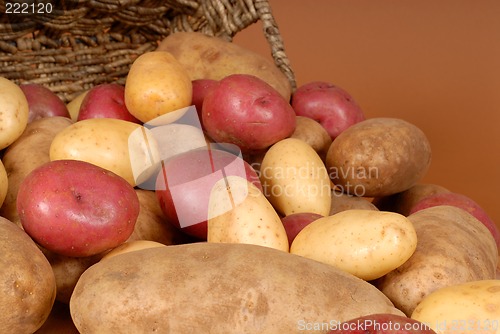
207 57
342 202
314 134
404 201
379 157
28 152
453 247
28 286
217 288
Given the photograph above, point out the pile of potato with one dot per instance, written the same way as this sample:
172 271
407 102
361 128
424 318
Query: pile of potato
360 252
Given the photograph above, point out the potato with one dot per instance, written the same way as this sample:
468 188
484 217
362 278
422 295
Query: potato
453 248
404 201
28 152
206 57
28 286
365 243
124 148
74 105
59 321
217 288
132 246
67 270
238 212
152 225
472 307
313 133
14 112
4 183
378 157
294 178
342 202
157 84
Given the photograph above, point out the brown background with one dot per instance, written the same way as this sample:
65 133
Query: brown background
433 63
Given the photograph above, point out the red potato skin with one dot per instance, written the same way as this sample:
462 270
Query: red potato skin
331 106
43 102
106 101
203 165
201 87
463 202
295 222
77 209
246 111
382 324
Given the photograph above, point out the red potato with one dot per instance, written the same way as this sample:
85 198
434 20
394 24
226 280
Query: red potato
201 87
106 101
295 222
76 209
184 184
43 102
463 202
246 111
330 105
381 324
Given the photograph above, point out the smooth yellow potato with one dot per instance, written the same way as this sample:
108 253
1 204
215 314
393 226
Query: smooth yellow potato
28 152
294 178
157 84
238 212
4 183
125 148
453 248
14 111
28 287
472 307
217 288
365 243
132 246
74 105
207 57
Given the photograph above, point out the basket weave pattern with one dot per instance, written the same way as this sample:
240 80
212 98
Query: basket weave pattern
83 43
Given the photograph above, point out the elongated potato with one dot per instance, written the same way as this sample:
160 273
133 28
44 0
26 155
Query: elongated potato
207 57
217 288
125 148
378 157
27 288
472 307
294 178
453 248
28 152
365 243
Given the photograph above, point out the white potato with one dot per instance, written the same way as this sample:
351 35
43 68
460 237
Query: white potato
472 307
4 183
14 111
365 243
125 148
294 178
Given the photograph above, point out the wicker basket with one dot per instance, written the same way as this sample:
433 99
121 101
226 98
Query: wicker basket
82 43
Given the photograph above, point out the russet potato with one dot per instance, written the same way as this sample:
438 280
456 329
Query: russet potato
217 288
207 57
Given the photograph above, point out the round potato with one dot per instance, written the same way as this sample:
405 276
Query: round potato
342 202
132 246
472 307
365 243
28 286
124 148
14 112
313 133
157 84
378 157
217 288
